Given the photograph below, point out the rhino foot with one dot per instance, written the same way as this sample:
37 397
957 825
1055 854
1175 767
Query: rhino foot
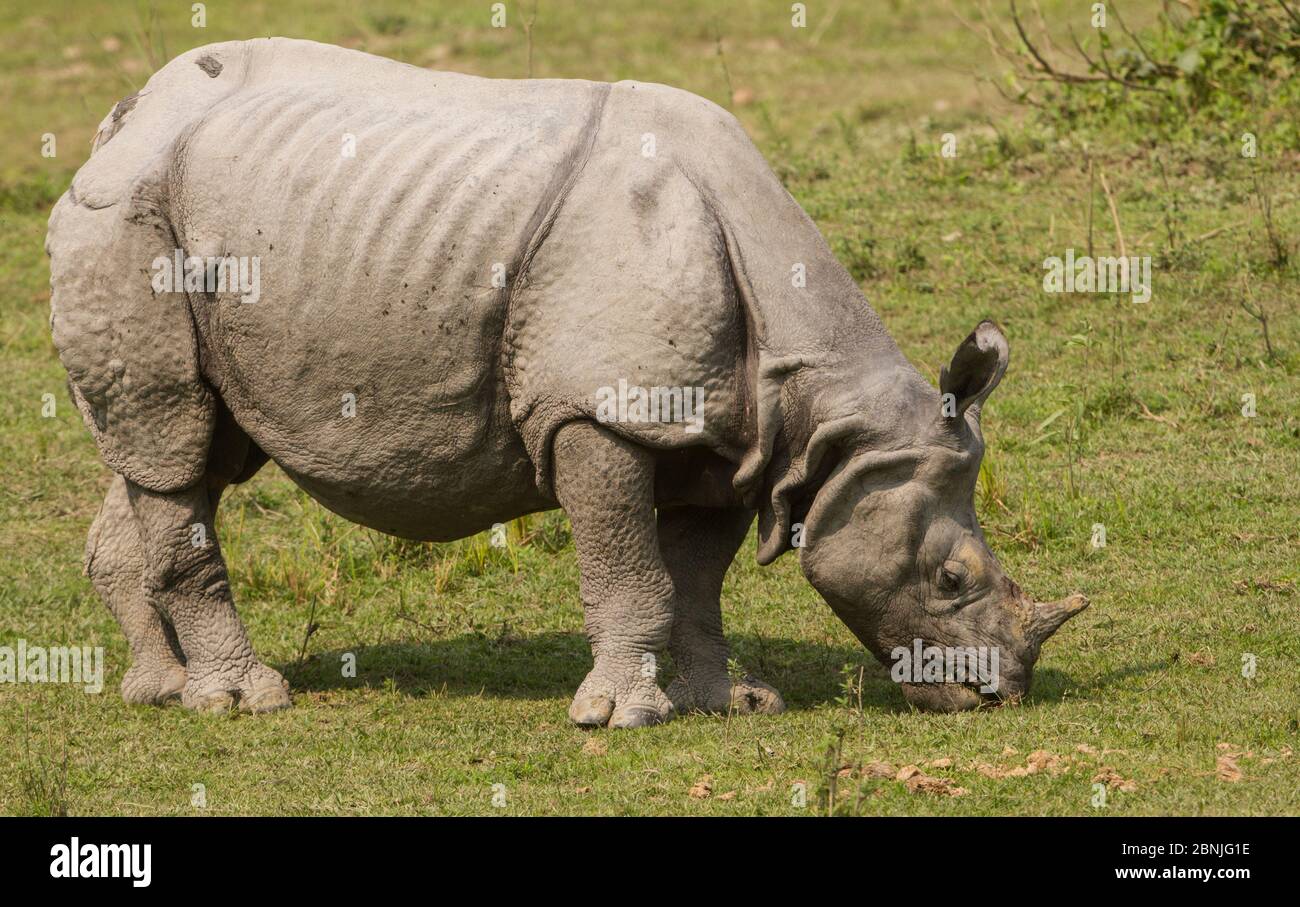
153 684
255 690
719 696
619 700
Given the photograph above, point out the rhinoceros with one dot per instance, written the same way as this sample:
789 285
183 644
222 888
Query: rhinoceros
440 302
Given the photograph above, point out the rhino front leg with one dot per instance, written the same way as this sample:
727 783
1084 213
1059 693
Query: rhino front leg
698 545
185 578
606 486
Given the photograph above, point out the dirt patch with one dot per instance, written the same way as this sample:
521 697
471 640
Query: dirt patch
1114 780
701 789
918 782
209 64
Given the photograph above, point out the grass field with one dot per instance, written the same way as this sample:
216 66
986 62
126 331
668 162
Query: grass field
1113 413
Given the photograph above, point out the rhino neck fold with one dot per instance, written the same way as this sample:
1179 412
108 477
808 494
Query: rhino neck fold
878 398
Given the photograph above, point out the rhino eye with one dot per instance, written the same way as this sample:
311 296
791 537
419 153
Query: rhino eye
949 578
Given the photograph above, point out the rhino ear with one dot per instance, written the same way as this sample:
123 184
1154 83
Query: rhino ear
976 368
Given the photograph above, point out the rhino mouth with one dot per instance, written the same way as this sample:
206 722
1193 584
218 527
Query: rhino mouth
966 677
955 696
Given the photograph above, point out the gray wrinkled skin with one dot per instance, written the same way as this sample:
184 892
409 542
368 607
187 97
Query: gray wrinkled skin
641 237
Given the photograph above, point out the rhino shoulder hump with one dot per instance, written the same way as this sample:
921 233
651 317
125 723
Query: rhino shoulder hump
679 113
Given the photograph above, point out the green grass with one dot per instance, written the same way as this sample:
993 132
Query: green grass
1113 413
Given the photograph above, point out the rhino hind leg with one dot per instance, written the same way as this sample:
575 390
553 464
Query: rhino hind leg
185 579
606 486
115 562
698 545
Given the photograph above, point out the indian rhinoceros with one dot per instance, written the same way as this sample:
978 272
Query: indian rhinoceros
417 292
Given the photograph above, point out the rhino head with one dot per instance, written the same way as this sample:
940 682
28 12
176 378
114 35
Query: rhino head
891 540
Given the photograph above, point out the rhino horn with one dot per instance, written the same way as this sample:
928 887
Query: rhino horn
1048 616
